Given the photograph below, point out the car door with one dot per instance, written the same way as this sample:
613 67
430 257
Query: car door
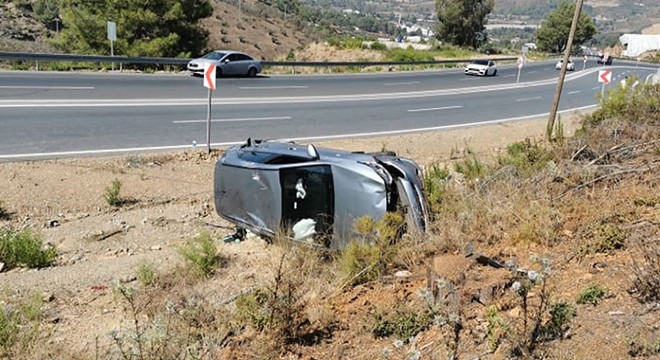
308 198
231 65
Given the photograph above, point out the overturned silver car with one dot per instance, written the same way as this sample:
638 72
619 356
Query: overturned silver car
314 195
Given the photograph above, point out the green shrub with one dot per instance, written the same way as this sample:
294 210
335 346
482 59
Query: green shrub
19 326
527 157
435 183
605 239
251 308
408 55
111 194
201 254
592 294
147 274
472 168
561 315
24 248
378 46
366 258
404 323
497 328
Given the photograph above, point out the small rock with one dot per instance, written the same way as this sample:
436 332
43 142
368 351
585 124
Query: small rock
47 297
128 278
53 223
403 274
515 313
616 313
54 320
155 248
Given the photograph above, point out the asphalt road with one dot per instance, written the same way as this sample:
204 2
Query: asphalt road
58 114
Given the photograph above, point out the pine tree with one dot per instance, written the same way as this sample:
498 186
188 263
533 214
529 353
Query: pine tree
462 22
158 28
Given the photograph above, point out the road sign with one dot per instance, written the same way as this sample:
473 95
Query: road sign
112 31
605 76
521 62
585 59
209 76
525 49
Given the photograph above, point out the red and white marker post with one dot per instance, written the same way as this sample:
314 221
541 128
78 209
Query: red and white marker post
604 77
209 83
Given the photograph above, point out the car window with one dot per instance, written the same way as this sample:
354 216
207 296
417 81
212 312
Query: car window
270 158
232 57
308 194
243 57
214 55
480 62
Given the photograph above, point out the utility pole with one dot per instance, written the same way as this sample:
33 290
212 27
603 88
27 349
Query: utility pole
562 73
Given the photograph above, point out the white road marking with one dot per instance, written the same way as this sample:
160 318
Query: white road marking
438 108
402 83
309 138
233 120
48 87
272 87
574 92
595 88
532 98
531 72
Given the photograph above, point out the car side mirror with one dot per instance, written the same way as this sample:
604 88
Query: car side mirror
312 153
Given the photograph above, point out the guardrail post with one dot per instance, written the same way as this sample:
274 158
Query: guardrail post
37 63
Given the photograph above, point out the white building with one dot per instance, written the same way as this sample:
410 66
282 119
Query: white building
637 44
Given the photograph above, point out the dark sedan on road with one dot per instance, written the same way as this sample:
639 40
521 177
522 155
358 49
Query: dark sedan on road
227 63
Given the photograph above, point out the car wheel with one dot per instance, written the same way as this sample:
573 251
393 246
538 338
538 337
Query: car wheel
252 72
495 72
218 72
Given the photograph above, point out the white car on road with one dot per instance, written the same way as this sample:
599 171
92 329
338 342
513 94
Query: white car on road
481 68
570 66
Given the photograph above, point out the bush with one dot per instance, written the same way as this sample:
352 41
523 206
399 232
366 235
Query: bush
646 267
378 46
111 194
24 248
435 182
201 255
472 168
404 323
592 294
408 55
561 315
19 326
147 274
605 238
529 158
366 258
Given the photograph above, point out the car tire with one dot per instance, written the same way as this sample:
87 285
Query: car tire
218 72
252 72
495 72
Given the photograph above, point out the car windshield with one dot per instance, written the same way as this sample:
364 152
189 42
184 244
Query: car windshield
480 62
214 55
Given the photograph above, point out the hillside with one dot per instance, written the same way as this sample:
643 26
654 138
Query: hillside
257 29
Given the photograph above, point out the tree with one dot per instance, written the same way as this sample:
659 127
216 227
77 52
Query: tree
552 36
159 28
461 22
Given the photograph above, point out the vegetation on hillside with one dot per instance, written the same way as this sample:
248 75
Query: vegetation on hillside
552 36
462 22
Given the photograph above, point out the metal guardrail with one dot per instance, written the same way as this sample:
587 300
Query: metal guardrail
180 61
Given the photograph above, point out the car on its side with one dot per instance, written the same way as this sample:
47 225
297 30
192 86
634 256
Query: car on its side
314 195
570 65
481 68
227 63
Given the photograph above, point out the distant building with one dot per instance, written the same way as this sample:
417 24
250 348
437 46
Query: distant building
637 44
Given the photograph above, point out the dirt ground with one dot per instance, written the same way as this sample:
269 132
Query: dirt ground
168 199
